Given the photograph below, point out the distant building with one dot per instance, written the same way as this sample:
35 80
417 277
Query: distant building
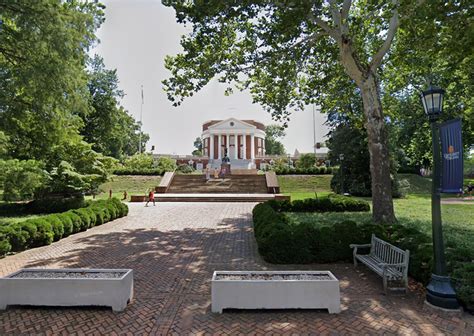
242 140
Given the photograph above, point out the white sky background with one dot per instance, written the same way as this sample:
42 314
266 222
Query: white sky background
135 38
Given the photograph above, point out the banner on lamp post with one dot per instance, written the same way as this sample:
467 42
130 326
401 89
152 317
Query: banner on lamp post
451 156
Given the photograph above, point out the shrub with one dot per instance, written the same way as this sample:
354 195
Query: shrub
282 170
85 218
5 246
148 172
76 221
67 223
331 203
44 232
463 278
57 226
185 169
55 204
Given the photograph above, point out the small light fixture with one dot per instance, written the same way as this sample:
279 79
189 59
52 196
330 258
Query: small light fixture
432 100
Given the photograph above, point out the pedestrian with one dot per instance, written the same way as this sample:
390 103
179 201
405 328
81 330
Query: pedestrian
216 173
151 197
124 195
110 193
208 174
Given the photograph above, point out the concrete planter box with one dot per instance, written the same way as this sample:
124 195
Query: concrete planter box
275 290
67 287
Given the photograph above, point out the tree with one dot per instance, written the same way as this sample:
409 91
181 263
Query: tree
19 179
306 161
43 49
284 52
107 125
198 145
272 144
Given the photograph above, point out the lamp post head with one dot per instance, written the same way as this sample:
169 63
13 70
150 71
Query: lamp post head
432 100
341 157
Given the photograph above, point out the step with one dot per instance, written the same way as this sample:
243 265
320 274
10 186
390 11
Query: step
215 198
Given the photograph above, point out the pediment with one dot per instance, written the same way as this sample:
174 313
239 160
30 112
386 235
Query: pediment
231 123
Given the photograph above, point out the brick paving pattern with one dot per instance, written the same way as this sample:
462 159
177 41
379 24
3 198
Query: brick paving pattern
173 250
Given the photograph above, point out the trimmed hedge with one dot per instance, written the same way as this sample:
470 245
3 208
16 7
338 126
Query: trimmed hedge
43 231
331 203
48 204
125 171
305 171
282 242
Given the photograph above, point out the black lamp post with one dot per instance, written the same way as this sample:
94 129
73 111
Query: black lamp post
341 160
440 293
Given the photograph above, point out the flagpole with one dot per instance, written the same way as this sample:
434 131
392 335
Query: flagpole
314 133
140 135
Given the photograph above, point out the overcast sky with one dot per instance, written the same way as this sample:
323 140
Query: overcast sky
135 38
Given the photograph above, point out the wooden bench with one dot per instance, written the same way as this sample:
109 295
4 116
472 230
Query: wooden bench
388 261
272 183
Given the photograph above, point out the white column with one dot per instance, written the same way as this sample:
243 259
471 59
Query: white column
227 144
219 146
244 139
252 146
236 146
211 147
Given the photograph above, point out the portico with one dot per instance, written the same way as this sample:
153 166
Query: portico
243 140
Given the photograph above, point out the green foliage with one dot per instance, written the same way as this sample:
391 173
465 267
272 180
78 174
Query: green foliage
44 49
139 162
198 145
273 146
5 246
85 216
44 230
67 223
285 170
107 126
44 233
353 175
20 179
56 225
149 172
165 164
306 161
185 169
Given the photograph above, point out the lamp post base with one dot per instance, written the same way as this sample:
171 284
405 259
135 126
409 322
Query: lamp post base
440 293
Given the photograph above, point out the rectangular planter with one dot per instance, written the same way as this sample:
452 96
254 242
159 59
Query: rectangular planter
67 287
260 290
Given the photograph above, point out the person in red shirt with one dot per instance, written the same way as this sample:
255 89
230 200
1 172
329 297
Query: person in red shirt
151 197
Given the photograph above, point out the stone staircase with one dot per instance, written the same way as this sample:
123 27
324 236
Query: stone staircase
233 184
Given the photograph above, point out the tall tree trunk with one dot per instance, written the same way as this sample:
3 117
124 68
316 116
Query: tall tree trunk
379 154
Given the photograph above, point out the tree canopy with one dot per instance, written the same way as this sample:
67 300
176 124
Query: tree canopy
59 110
273 134
289 54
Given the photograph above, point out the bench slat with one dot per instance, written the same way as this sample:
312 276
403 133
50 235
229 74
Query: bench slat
386 260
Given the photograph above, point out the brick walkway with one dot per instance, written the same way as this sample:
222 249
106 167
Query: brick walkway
173 249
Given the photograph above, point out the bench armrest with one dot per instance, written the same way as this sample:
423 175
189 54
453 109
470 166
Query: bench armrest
359 245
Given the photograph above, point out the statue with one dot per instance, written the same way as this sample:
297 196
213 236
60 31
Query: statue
225 159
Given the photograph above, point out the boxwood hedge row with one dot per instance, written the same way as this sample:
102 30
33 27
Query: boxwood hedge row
282 242
43 231
305 171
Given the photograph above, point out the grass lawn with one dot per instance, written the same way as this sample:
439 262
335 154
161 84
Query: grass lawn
134 185
304 186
